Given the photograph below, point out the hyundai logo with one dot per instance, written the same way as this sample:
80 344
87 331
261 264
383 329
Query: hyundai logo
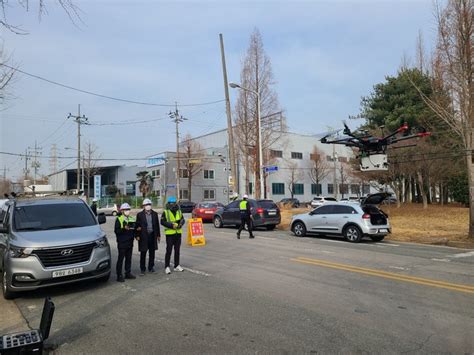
67 252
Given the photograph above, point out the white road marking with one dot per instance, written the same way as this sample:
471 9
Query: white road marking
462 255
444 260
388 244
197 272
398 267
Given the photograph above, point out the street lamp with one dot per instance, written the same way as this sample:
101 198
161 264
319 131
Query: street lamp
259 131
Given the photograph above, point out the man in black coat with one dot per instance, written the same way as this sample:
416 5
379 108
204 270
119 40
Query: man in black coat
125 232
94 206
148 235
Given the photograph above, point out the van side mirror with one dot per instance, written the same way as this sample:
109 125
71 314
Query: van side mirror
101 218
3 228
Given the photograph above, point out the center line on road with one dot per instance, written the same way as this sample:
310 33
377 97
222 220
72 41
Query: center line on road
387 275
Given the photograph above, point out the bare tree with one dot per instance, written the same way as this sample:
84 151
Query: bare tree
294 177
453 70
257 76
319 167
191 155
146 183
91 164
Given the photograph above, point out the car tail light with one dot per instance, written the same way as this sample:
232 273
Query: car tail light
366 216
201 210
260 210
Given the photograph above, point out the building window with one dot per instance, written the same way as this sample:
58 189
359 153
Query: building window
365 189
296 155
276 153
250 188
209 194
330 188
209 174
183 194
130 188
316 189
278 188
156 173
298 189
342 159
329 158
343 189
314 157
183 173
355 189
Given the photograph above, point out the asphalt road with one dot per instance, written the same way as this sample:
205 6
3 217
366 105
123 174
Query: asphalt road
273 294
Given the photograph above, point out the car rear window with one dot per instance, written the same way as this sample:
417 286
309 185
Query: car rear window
208 205
317 198
267 204
52 216
330 199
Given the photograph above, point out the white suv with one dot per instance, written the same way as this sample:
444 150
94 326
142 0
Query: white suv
319 201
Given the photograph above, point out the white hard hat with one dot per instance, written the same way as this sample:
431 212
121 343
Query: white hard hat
125 206
94 200
146 201
246 196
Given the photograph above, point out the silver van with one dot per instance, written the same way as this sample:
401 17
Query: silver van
50 241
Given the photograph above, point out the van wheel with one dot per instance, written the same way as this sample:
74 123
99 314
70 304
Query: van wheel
114 213
352 234
7 294
299 229
218 222
377 238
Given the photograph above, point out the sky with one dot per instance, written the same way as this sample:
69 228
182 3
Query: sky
325 55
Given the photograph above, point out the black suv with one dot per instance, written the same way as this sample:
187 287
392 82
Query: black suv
292 202
265 214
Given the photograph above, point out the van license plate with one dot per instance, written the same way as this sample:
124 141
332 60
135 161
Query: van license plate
272 213
383 230
68 272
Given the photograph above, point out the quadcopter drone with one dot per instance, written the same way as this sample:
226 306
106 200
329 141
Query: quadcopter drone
373 150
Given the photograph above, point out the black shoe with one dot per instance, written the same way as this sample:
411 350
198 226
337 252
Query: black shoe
130 276
238 236
120 279
152 270
252 237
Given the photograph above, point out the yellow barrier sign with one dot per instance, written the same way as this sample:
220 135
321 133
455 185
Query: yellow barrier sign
196 232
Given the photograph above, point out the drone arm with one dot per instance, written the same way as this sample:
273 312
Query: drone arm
417 135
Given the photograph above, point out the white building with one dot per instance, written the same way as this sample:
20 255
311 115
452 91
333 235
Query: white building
290 154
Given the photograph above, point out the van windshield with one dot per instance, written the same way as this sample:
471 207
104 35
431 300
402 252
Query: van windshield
52 216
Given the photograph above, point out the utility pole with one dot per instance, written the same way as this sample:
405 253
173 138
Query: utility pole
25 170
177 119
233 165
35 164
79 120
334 157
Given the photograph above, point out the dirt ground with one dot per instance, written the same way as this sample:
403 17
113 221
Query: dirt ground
443 225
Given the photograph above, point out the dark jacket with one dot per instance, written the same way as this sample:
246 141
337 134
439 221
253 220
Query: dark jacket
124 237
143 233
94 208
167 224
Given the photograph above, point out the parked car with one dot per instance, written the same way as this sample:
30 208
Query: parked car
186 206
352 221
51 241
206 210
319 201
265 214
351 199
108 210
292 202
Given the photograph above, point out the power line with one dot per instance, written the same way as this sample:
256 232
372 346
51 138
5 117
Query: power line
106 96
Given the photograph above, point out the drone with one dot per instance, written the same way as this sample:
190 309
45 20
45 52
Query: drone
373 150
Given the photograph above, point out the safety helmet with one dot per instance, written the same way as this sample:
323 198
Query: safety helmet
125 206
94 200
171 199
246 196
146 201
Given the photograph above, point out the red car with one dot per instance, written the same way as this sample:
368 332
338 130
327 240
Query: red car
206 210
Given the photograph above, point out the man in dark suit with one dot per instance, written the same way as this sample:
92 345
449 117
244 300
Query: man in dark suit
147 230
